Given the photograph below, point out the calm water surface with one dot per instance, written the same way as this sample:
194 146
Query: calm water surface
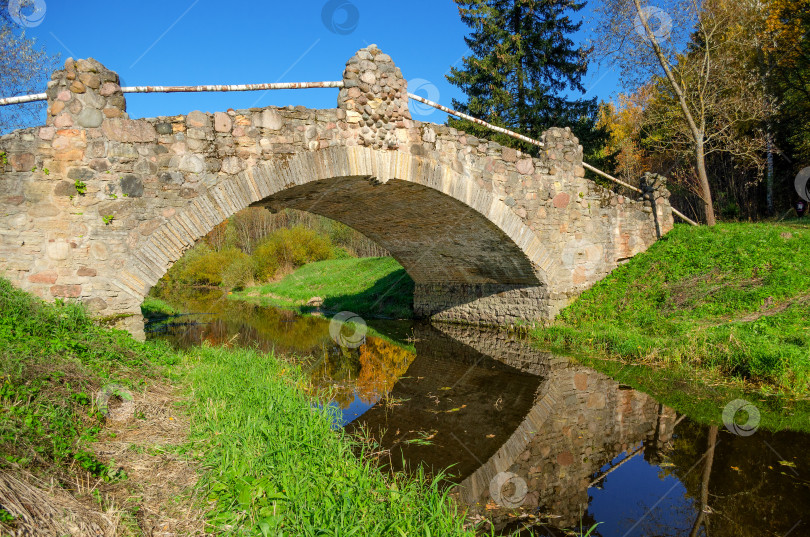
532 440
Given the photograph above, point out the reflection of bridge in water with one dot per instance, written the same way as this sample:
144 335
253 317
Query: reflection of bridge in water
575 421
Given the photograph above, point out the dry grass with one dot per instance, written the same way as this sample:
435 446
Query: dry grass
44 510
160 487
157 498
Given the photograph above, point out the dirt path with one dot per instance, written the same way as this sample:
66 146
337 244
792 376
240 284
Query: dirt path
769 309
142 437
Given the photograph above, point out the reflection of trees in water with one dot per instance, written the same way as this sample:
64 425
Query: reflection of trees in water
704 483
369 371
745 489
382 364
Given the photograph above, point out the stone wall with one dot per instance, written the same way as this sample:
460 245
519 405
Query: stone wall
490 304
96 206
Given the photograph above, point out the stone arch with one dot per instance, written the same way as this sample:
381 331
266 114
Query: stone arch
498 253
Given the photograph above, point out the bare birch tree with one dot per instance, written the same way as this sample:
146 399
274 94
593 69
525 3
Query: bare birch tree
24 68
695 52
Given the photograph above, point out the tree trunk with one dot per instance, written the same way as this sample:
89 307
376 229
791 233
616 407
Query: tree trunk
769 177
704 484
517 16
703 179
698 133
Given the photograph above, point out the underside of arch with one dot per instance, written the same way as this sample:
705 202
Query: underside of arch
435 237
465 268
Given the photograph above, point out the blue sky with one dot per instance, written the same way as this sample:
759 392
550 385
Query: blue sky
185 42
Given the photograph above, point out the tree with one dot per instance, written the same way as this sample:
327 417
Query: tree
690 49
624 123
521 64
25 67
787 50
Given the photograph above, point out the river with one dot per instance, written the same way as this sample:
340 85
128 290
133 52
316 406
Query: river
531 440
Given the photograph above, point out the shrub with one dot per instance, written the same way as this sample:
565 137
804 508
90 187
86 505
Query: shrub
290 248
207 269
240 271
339 252
266 265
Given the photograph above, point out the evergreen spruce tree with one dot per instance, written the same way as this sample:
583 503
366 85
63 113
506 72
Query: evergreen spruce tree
522 64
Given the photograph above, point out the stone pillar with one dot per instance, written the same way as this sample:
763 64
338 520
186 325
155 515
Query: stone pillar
83 94
654 187
375 97
562 151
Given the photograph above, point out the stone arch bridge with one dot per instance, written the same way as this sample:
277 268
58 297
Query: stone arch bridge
95 206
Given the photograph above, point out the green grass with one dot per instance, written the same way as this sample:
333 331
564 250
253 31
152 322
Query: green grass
729 304
273 463
54 360
155 308
370 286
276 466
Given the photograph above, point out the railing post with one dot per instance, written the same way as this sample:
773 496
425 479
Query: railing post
375 98
655 192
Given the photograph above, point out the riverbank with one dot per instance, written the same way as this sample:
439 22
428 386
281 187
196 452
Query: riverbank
89 434
732 300
369 286
155 309
250 451
276 463
723 307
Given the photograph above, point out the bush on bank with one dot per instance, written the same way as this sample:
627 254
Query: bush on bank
279 252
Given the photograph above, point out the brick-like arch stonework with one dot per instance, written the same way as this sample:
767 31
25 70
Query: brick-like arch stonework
96 207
